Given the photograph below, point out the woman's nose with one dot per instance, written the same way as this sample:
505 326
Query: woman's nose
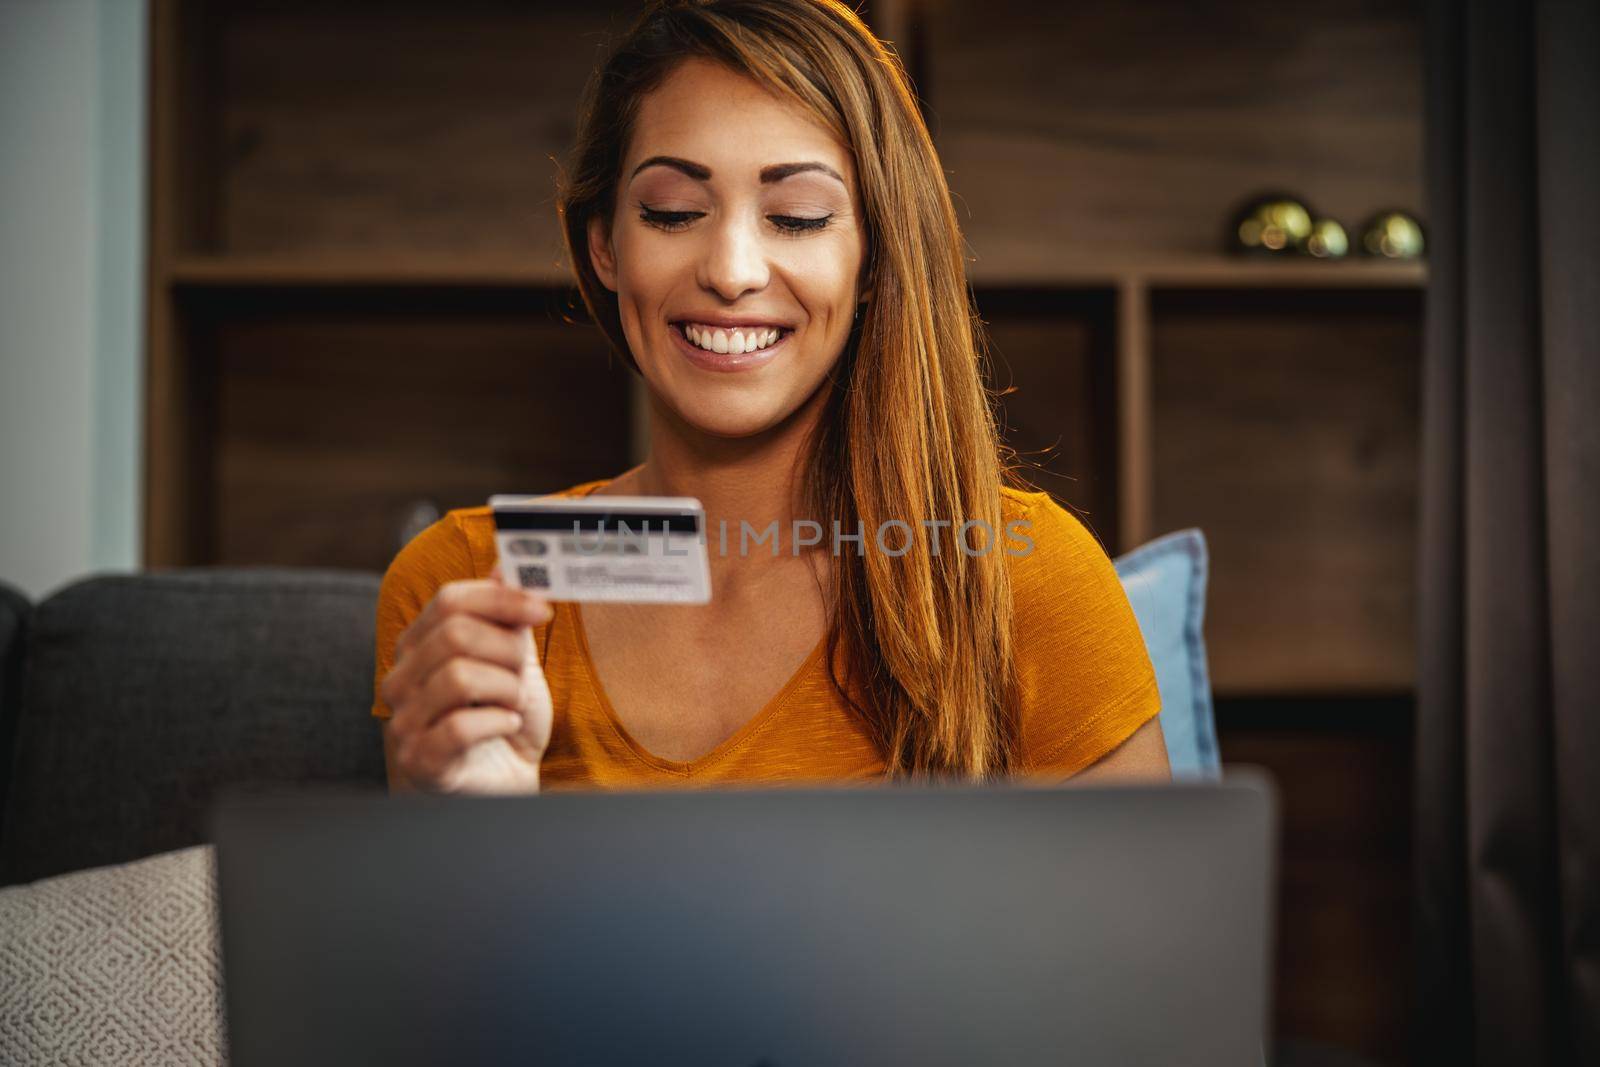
735 262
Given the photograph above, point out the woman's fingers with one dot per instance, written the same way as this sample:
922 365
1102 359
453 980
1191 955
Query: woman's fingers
455 635
458 683
486 598
467 672
430 753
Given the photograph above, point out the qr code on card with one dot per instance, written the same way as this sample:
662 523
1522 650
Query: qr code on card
533 576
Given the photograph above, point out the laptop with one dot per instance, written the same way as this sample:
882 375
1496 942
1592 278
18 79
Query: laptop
782 928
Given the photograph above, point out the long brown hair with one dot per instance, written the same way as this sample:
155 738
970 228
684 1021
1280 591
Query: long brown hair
909 431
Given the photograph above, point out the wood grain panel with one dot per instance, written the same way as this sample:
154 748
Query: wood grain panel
1103 126
1133 414
1285 426
181 213
412 126
1051 354
336 418
1343 975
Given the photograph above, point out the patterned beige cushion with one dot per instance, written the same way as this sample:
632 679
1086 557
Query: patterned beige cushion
113 965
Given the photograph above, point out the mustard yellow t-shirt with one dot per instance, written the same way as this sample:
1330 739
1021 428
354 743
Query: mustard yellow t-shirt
1086 682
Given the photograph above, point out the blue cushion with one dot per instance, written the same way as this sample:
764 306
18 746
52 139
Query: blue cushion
1166 583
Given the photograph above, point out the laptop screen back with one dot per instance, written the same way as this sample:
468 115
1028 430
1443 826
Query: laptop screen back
890 925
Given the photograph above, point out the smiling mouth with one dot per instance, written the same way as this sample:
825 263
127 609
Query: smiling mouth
735 341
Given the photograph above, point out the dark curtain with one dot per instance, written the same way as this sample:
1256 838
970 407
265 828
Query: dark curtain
1508 771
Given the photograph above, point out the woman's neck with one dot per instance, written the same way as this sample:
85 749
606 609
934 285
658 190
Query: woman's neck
755 480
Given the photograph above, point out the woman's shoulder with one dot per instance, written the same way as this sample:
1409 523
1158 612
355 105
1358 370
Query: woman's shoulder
1061 575
449 550
1062 579
460 544
1085 676
1048 546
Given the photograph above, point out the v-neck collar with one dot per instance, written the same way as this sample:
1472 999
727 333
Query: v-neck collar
733 741
686 768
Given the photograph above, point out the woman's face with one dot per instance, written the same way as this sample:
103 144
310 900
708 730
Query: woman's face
734 250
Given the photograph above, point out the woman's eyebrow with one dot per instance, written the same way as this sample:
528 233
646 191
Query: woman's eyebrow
779 171
775 172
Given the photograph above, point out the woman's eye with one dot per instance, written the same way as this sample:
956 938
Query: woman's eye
668 220
797 224
677 220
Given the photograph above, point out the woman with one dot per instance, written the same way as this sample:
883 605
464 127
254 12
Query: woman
759 223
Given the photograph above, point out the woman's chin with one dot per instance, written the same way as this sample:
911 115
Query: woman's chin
746 418
733 429
732 406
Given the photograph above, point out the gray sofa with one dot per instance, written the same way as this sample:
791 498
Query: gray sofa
129 701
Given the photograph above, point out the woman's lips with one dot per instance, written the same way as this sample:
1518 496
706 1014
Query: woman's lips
726 361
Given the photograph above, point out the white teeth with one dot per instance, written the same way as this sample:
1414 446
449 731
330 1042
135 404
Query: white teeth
734 342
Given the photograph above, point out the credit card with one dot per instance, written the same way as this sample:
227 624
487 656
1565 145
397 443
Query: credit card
640 549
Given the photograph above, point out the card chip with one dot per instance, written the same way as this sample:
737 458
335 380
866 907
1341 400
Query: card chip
533 576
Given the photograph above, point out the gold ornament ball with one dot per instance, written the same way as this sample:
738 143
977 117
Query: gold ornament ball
1274 225
1393 235
1327 240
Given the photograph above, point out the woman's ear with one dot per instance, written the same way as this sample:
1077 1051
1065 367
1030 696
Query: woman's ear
601 253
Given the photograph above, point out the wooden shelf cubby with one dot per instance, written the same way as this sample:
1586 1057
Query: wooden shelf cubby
336 416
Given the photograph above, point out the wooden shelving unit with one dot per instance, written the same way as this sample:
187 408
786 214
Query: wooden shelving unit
1100 148
1132 283
312 189
271 189
1177 272
1025 267
1177 336
368 272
